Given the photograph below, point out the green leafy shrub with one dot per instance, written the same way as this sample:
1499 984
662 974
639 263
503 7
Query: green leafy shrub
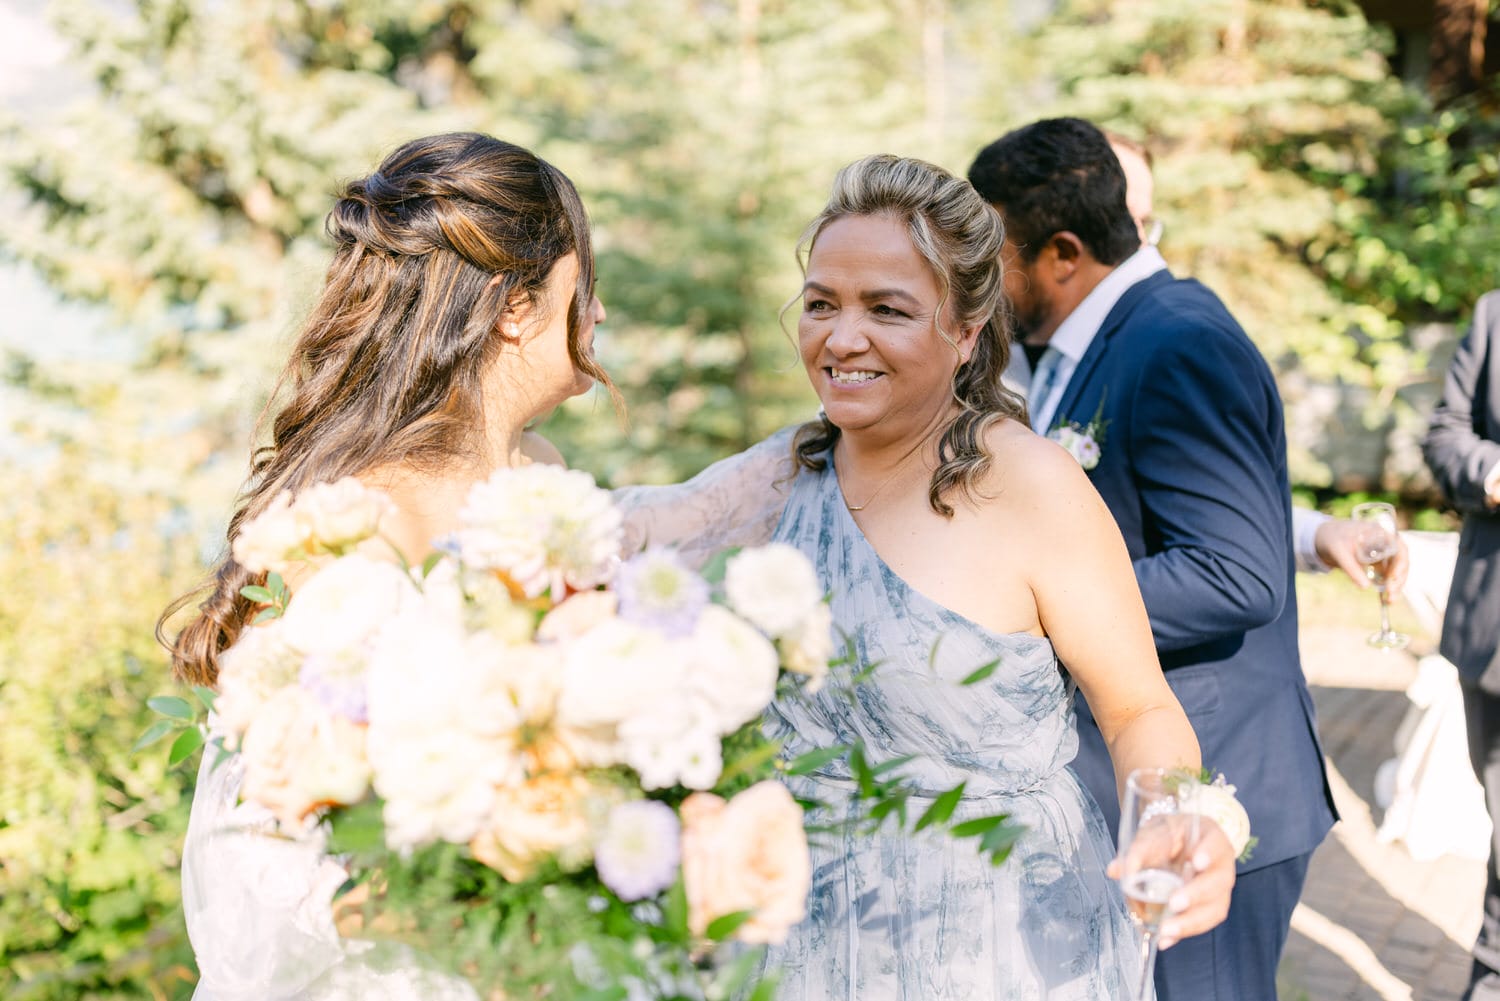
89 833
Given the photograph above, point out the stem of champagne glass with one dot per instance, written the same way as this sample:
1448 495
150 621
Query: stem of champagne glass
1148 963
1385 613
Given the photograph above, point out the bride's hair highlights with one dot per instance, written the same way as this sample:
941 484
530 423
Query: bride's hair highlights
389 368
960 235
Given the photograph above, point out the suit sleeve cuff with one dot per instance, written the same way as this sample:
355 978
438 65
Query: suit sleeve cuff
1305 524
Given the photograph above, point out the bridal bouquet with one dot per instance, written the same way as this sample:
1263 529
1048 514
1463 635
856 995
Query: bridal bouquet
541 764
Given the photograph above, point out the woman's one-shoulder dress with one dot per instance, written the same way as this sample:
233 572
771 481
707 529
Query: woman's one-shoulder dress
927 917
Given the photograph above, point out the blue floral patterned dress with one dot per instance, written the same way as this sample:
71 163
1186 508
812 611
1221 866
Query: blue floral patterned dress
927 917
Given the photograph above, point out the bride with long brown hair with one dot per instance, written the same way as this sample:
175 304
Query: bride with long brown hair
458 309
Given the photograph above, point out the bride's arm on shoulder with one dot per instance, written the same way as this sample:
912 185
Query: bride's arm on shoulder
737 501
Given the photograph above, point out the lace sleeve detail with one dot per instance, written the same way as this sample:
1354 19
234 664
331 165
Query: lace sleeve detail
734 502
259 910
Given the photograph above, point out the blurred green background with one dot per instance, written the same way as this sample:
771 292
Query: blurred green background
1329 168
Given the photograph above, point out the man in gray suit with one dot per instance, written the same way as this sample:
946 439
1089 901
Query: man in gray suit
1462 449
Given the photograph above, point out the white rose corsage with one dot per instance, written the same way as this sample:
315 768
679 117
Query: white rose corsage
1214 798
1084 442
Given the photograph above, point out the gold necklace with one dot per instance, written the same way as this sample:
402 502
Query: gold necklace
900 464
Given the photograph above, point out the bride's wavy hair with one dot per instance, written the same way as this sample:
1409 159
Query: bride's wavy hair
960 236
429 252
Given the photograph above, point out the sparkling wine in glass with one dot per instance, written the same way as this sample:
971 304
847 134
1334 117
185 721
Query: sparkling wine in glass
1158 832
1377 547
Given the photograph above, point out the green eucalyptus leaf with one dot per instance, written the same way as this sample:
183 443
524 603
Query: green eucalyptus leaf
891 763
259 595
766 989
674 912
724 926
736 974
977 826
186 743
172 706
811 761
860 769
206 695
751 761
156 731
356 829
980 673
942 808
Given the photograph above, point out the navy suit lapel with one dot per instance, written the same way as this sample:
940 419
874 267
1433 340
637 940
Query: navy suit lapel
1100 344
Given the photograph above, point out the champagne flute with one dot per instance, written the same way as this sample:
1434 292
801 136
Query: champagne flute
1377 545
1158 832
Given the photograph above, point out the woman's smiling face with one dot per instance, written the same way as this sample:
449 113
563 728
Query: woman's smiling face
869 329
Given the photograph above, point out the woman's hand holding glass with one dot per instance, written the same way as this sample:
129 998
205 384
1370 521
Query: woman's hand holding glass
1175 866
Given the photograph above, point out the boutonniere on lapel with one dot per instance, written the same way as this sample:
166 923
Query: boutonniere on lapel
1084 442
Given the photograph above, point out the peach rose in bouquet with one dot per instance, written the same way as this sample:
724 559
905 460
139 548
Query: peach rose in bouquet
746 854
299 756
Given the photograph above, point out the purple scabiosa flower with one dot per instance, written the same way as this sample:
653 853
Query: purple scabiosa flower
338 683
657 590
639 850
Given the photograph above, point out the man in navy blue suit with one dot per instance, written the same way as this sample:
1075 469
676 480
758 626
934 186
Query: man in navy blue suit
1176 417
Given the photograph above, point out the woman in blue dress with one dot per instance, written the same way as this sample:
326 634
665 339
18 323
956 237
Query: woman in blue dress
949 535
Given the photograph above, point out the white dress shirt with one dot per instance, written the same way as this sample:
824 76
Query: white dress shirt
1066 347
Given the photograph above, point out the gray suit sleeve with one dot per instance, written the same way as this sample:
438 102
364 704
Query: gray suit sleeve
1459 455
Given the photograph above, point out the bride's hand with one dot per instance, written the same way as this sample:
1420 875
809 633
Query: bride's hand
349 911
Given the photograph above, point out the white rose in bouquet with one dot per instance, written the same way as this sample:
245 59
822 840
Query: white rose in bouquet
732 669
273 540
674 747
340 608
341 514
299 756
633 683
258 665
749 854
806 649
617 672
544 527
773 586
443 729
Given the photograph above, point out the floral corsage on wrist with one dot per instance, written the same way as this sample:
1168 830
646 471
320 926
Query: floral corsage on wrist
1213 797
1084 442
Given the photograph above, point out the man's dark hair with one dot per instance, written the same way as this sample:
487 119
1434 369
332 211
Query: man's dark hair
1054 175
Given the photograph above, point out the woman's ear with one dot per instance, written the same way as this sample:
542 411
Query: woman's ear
518 310
968 337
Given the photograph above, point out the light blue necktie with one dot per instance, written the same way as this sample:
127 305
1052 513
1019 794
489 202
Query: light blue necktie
1042 381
